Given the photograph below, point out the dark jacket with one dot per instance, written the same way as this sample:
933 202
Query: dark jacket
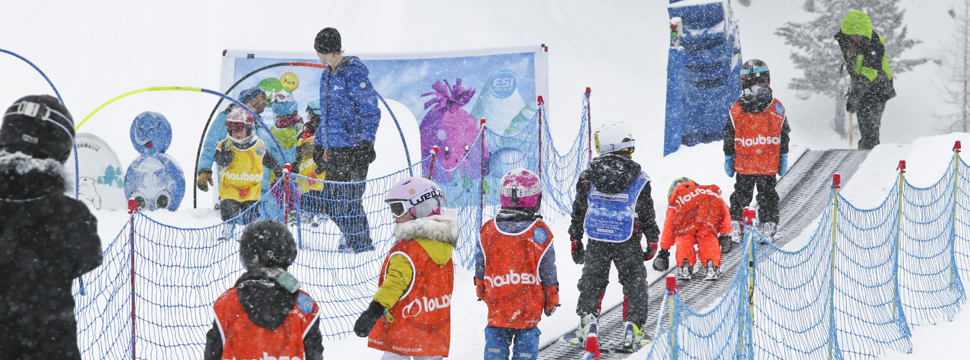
348 104
755 102
611 174
46 241
267 303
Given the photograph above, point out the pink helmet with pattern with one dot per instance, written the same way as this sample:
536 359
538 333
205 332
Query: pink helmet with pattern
419 196
520 188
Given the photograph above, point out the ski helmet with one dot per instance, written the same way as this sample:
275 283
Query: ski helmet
239 119
677 182
39 126
520 188
248 94
754 72
327 41
419 196
313 107
267 243
617 136
284 104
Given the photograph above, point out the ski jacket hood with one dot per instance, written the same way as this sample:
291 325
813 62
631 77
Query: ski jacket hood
756 99
266 302
437 234
612 173
23 177
856 22
514 220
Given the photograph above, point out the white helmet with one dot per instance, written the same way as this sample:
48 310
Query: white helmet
615 136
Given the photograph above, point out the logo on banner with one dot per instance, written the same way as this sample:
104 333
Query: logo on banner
424 304
503 84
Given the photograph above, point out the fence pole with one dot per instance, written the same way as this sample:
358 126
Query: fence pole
899 218
481 181
749 216
541 104
589 125
953 218
836 183
434 158
132 210
672 333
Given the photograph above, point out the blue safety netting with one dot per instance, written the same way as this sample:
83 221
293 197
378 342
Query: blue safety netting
851 292
152 297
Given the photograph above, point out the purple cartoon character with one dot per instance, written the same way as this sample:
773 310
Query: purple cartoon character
449 127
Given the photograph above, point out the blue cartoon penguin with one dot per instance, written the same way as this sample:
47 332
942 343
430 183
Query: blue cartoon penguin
155 180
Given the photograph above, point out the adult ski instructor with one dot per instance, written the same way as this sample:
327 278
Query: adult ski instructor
47 239
344 140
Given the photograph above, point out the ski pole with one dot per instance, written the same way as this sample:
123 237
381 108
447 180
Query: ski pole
850 130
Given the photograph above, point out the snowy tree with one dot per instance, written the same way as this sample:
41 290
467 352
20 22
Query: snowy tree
956 71
818 55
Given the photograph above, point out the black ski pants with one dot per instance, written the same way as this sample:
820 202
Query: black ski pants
870 119
628 257
767 197
232 208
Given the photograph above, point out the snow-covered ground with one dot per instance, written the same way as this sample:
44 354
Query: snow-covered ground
94 51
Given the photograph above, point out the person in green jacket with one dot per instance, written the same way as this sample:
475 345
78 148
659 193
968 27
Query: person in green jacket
864 52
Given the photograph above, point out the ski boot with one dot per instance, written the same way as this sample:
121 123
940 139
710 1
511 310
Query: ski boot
588 336
633 337
737 231
768 231
713 272
685 271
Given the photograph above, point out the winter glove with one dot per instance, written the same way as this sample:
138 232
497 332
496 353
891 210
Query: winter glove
368 318
729 165
367 153
662 262
204 179
650 251
223 155
577 251
480 289
552 298
783 165
725 243
320 159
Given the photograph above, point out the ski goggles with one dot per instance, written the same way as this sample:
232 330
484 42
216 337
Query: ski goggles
236 126
757 69
426 204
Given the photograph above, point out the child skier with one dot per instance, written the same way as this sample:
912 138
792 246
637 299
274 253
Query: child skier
311 190
241 158
695 215
613 206
515 269
756 148
411 312
265 315
286 130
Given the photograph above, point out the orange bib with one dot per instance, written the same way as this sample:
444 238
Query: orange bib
512 289
757 139
244 340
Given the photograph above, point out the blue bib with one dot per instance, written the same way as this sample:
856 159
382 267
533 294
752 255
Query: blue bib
610 217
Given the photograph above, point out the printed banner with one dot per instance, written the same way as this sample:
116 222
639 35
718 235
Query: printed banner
101 183
445 94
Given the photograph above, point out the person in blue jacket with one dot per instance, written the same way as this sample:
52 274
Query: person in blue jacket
344 140
255 100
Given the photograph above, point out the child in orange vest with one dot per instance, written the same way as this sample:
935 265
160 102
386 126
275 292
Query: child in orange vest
265 315
756 148
695 215
515 269
410 315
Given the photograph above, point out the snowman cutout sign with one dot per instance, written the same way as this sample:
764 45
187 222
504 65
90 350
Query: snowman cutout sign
154 179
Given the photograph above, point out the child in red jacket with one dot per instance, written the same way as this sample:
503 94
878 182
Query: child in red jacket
515 269
695 215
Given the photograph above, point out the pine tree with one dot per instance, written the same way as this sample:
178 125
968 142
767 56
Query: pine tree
956 70
818 55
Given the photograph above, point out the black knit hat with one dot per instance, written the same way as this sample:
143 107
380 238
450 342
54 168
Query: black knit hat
327 41
39 126
267 243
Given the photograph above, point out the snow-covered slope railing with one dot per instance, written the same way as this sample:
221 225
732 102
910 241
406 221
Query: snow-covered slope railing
852 292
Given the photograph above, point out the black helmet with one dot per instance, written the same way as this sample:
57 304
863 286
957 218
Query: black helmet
267 243
327 41
754 72
39 126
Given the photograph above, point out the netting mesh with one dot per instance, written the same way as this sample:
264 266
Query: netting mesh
852 292
152 297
